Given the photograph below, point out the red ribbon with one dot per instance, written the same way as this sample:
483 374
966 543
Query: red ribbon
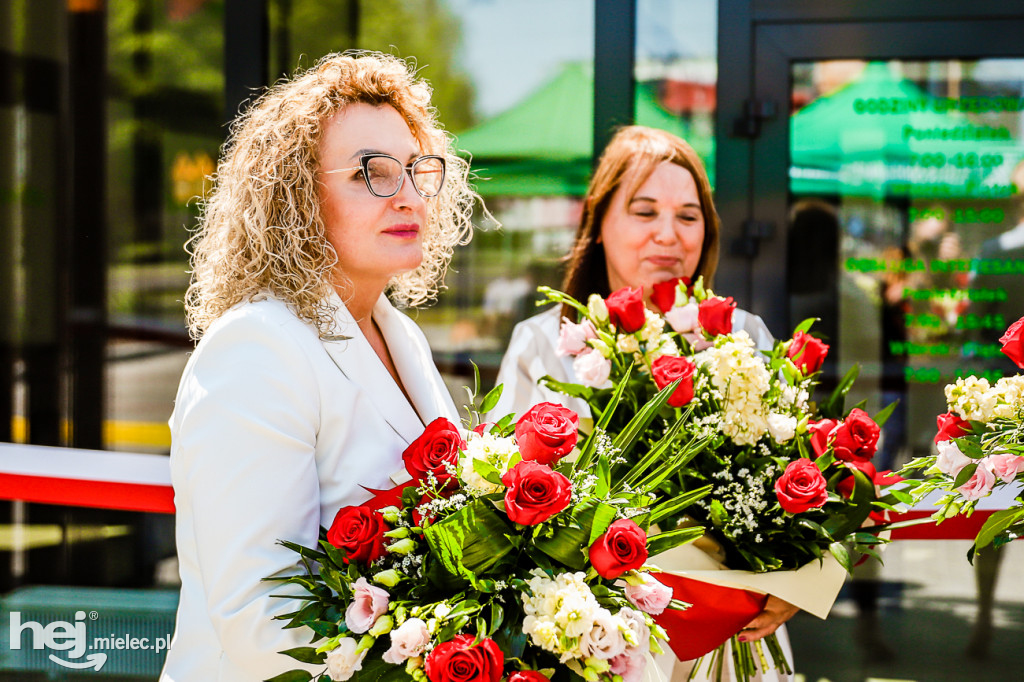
717 613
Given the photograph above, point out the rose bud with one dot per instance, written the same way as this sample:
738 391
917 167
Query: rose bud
663 294
951 426
621 548
715 315
801 487
666 369
435 451
360 532
807 352
1013 343
534 493
547 432
626 309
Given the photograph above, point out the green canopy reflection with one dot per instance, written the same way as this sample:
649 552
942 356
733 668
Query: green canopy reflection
542 146
841 144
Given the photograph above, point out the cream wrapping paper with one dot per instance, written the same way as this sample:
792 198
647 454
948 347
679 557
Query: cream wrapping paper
812 587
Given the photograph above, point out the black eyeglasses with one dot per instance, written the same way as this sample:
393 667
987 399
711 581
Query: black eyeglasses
385 174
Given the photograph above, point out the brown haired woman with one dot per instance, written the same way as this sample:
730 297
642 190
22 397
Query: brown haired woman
307 384
648 216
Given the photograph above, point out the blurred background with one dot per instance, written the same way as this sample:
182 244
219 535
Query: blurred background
867 164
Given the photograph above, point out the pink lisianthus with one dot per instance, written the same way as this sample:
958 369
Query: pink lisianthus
369 603
630 665
407 640
950 460
684 318
979 485
591 368
651 597
1005 466
572 337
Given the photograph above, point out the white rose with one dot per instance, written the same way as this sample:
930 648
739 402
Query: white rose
407 640
684 318
591 368
343 662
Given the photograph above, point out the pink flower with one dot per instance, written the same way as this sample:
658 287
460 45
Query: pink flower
407 640
368 604
980 484
684 318
1005 466
572 337
950 460
629 665
637 624
591 368
651 597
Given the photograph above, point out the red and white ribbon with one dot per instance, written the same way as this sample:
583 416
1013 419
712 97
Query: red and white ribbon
86 478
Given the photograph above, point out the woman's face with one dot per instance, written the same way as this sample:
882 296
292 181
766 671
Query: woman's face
375 238
658 235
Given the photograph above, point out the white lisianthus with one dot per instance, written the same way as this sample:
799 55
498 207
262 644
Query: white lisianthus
950 460
781 427
495 450
597 309
604 640
343 661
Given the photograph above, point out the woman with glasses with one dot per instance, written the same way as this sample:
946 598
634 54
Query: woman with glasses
648 217
338 197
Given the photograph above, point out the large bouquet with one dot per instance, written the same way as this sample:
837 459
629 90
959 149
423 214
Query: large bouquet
501 557
980 448
792 481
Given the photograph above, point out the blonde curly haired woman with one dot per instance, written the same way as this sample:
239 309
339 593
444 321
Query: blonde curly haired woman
336 192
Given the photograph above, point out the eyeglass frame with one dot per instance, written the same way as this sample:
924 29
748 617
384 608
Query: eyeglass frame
364 161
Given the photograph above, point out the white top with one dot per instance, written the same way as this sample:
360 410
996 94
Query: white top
531 355
273 431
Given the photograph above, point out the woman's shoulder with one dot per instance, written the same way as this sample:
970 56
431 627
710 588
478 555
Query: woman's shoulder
754 326
264 322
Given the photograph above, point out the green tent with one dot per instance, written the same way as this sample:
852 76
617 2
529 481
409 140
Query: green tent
838 145
542 146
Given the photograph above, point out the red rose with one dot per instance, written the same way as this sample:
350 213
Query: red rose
360 532
626 309
534 493
801 487
951 426
434 452
623 547
845 486
458 661
821 432
663 294
856 438
527 676
667 368
715 315
1013 343
547 432
807 352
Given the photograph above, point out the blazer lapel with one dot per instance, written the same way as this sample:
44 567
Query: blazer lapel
356 359
415 364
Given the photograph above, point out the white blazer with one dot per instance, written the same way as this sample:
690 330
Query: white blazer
273 431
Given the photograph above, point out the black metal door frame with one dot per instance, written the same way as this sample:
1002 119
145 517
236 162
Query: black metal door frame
758 43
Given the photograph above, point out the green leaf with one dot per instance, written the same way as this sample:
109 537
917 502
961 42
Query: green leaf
306 552
590 447
567 388
832 408
497 616
662 542
491 399
469 541
674 505
655 455
886 412
336 555
305 654
965 474
842 555
604 515
638 424
323 628
997 524
806 325
487 471
292 676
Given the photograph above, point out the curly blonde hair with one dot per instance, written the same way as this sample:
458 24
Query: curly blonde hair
261 229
